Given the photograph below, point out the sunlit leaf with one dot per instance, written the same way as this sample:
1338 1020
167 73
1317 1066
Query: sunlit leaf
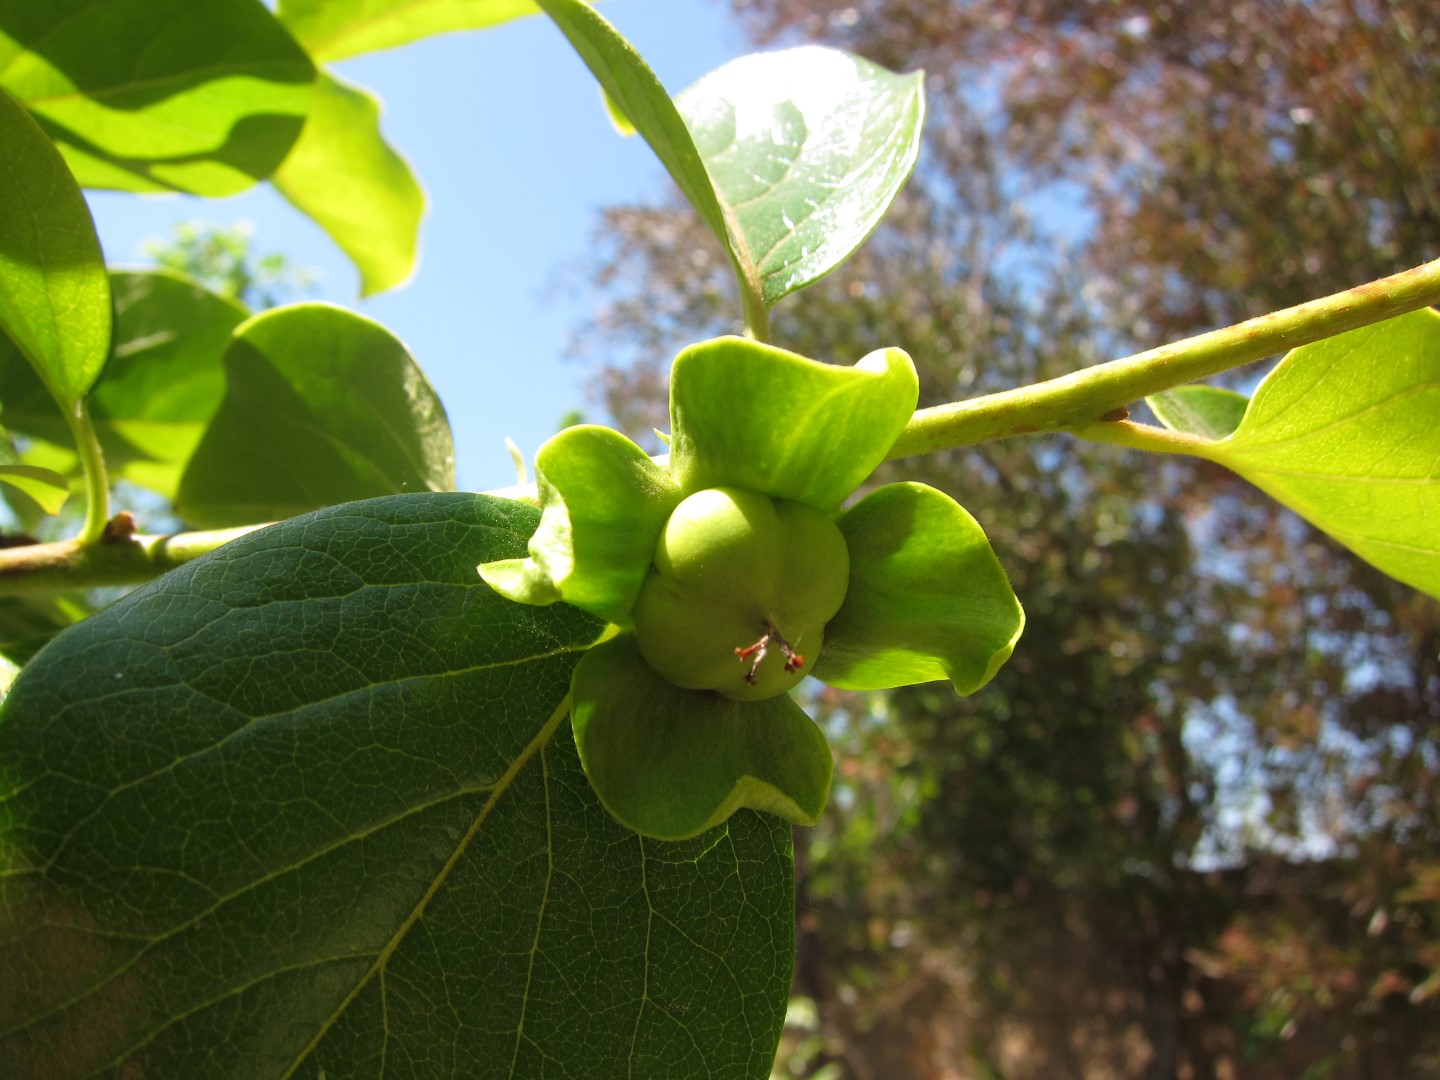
49 489
1212 412
311 803
807 149
159 95
322 406
335 29
618 120
344 175
633 89
159 390
1344 433
54 296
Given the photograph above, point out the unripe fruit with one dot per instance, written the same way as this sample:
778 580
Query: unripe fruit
739 593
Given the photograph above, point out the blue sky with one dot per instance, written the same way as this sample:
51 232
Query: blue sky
505 129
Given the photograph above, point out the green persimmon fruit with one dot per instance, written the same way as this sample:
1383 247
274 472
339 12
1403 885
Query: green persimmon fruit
739 592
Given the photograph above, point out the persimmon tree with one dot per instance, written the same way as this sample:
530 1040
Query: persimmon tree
429 782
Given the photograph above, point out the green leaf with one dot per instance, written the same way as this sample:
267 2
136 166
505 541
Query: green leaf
322 406
634 89
344 175
160 388
807 148
672 763
927 598
618 120
753 416
159 95
165 381
335 29
1344 433
1211 412
27 623
48 488
605 503
309 804
54 298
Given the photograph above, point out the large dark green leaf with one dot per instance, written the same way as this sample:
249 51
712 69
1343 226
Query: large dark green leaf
54 298
345 176
807 149
335 29
309 806
322 406
159 95
160 388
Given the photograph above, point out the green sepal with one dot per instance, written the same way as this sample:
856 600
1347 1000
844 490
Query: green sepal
671 763
521 580
753 416
928 599
603 503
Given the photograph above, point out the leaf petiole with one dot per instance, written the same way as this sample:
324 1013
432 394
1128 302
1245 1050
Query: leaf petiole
97 480
1157 440
1078 400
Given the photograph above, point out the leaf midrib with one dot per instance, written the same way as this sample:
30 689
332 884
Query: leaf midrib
541 739
498 789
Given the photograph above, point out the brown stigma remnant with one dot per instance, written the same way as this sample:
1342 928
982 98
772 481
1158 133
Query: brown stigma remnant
772 636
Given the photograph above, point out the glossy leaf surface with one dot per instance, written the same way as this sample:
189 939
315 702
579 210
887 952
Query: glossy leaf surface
807 148
322 406
308 807
1344 433
54 296
345 176
159 95
927 599
335 29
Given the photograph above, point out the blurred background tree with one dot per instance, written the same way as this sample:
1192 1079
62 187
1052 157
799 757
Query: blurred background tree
224 259
1191 829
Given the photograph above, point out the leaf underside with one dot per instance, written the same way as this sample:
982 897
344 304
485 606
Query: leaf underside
1344 433
54 296
335 29
347 179
308 806
1212 412
159 95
